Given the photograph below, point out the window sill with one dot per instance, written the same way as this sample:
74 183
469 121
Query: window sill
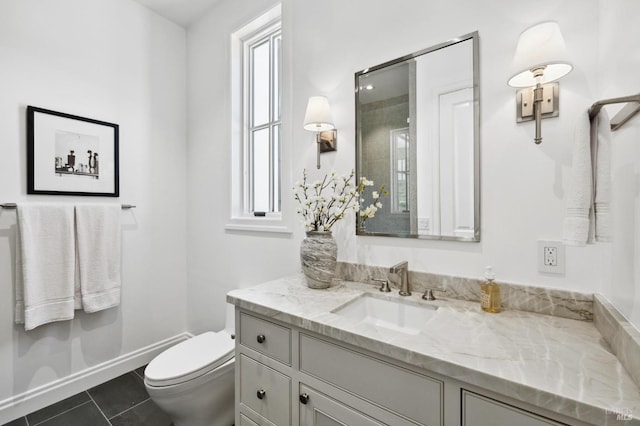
259 224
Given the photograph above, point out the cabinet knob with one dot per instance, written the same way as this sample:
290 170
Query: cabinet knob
261 394
261 338
304 398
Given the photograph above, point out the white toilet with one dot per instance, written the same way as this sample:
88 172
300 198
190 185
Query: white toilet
193 381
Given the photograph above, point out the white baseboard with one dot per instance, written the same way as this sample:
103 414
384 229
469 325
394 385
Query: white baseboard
50 393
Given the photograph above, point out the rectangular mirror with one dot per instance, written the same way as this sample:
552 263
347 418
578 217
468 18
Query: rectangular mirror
417 130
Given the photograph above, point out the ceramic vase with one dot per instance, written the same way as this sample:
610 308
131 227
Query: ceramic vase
318 255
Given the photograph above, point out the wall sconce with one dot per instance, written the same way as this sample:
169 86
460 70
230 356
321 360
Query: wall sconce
540 59
318 119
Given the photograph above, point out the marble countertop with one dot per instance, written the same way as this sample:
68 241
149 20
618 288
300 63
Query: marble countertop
560 364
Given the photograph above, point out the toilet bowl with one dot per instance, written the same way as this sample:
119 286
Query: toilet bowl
193 381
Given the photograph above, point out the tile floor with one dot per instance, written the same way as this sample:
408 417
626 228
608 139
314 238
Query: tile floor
122 401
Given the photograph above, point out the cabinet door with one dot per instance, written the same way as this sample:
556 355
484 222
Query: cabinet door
265 391
478 410
317 409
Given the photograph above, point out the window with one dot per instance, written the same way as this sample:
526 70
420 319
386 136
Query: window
262 119
399 170
257 154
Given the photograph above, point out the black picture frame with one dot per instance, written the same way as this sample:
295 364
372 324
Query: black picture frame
71 155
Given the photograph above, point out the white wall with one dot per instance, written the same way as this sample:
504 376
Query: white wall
222 260
115 61
522 184
619 70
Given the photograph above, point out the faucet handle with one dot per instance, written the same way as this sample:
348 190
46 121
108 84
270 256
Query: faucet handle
428 293
384 285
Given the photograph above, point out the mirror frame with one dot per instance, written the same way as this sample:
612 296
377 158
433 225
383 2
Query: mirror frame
476 138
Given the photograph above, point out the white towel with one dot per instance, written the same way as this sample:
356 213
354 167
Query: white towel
602 177
580 193
45 259
98 236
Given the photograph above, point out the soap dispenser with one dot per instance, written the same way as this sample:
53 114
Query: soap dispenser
490 292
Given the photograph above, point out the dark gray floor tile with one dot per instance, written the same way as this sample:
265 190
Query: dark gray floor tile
119 394
57 408
145 414
22 421
83 415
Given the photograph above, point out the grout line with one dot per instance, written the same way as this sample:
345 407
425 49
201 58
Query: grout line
98 407
138 374
59 414
131 408
94 402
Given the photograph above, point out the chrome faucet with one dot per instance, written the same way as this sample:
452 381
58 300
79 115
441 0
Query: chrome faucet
402 269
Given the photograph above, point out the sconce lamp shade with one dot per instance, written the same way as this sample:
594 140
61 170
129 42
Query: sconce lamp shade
540 48
318 116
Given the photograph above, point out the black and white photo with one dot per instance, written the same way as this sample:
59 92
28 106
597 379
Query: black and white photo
71 155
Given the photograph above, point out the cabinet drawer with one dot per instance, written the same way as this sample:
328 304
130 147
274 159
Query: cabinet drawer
266 337
418 397
478 410
265 391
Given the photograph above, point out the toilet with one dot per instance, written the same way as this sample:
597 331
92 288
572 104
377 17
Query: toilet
193 381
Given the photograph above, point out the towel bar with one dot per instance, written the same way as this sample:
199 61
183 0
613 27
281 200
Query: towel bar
623 115
14 205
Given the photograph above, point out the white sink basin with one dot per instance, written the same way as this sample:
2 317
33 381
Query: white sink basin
406 317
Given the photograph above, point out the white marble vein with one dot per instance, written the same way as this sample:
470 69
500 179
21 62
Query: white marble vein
560 364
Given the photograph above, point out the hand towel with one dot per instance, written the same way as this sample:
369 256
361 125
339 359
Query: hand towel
45 260
98 236
602 178
580 192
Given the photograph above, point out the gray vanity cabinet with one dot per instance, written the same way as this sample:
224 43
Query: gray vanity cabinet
287 376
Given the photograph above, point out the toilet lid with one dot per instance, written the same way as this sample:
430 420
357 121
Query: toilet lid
190 359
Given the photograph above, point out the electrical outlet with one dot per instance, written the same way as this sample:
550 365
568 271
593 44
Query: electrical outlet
551 257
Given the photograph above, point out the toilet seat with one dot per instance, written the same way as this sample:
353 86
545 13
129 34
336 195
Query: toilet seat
190 359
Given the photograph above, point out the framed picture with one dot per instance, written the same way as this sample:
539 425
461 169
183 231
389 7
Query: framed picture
71 155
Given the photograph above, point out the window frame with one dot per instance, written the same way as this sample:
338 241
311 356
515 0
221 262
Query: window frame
270 35
241 218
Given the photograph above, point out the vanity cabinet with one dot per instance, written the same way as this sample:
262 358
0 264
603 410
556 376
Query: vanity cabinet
289 376
286 376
